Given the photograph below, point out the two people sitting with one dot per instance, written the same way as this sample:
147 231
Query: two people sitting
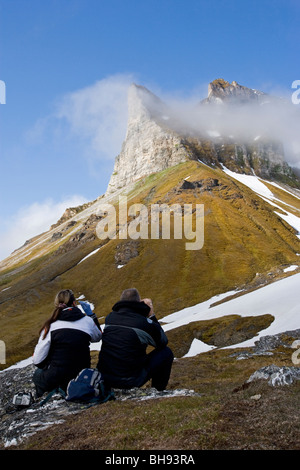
63 349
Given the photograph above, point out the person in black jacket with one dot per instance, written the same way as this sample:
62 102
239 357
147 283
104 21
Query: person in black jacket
63 349
129 329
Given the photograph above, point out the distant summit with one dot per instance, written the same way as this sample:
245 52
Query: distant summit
222 91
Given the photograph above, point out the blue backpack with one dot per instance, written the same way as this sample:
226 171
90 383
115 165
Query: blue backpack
89 387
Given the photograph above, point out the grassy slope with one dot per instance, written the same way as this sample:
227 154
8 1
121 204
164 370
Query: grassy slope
243 237
224 416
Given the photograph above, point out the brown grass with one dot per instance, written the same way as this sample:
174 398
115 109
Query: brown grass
223 417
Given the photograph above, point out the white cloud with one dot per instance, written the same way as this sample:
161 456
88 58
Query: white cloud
98 114
275 119
93 120
31 221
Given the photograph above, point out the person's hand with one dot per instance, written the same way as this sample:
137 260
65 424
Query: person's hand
150 304
86 308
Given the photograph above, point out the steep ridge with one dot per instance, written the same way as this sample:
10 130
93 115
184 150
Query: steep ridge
250 238
148 147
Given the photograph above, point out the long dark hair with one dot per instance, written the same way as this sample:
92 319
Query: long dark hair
64 298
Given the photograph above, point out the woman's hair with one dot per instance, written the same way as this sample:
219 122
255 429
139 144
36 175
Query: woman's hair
63 299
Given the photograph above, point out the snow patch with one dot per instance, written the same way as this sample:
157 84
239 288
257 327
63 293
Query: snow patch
19 365
290 268
257 185
198 347
90 254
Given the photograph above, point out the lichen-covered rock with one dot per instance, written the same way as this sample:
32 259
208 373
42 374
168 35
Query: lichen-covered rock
126 251
18 423
276 375
266 344
270 342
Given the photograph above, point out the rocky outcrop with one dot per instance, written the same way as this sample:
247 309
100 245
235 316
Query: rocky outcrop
71 212
266 344
17 423
222 91
270 342
148 147
276 376
158 137
126 251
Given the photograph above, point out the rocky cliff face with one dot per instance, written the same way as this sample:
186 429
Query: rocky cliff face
159 137
221 91
148 148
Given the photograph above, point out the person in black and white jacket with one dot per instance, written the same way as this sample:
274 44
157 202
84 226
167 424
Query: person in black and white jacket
63 349
129 329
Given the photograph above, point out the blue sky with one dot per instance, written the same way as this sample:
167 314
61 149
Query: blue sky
67 65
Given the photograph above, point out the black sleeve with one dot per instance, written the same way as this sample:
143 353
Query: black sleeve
158 333
43 364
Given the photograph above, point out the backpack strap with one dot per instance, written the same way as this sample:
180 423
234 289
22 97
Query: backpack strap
50 394
110 396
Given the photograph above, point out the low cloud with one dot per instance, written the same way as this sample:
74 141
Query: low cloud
31 221
98 114
92 122
273 118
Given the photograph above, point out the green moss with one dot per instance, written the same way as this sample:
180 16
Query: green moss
219 332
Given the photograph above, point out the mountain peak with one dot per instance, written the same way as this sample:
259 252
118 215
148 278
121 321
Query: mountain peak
159 136
142 103
149 147
220 90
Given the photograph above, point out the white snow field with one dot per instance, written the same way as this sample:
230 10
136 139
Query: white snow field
280 299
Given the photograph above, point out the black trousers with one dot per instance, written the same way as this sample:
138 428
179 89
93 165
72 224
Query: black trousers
157 368
46 380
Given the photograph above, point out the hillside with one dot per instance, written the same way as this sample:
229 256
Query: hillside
243 396
226 296
247 241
